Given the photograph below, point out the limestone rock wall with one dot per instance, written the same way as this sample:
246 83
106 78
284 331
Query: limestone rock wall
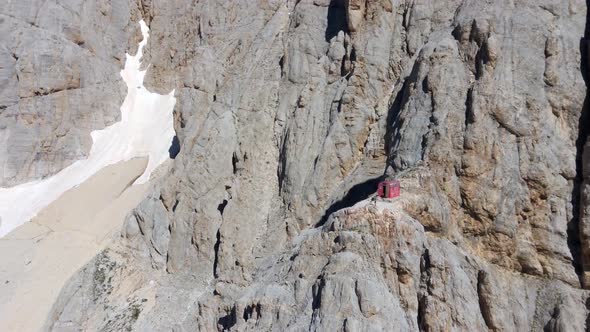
288 113
493 109
59 65
370 267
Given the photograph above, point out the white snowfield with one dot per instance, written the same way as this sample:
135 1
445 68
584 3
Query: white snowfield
146 129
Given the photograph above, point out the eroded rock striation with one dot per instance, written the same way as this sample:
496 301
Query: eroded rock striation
59 64
289 112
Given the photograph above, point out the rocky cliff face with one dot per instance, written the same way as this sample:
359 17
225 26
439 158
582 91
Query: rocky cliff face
59 65
289 112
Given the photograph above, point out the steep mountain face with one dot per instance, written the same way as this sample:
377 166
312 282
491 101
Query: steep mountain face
59 65
289 112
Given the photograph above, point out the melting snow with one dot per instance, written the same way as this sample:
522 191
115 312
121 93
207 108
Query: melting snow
146 129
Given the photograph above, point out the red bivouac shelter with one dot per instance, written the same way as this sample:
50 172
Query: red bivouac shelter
388 189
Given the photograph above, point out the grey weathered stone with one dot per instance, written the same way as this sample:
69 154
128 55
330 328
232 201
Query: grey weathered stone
59 80
289 112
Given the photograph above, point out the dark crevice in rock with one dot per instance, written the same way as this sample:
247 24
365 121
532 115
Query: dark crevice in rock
339 106
250 310
423 292
248 313
221 206
393 119
457 32
406 17
282 65
469 113
315 162
357 293
481 59
421 312
425 262
346 325
199 29
216 251
336 19
425 267
424 85
356 194
174 148
282 164
54 90
228 191
573 227
225 323
424 145
553 324
588 316
352 54
234 162
432 122
317 293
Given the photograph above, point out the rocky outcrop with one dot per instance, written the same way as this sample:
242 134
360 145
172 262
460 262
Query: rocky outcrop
488 114
371 267
288 113
59 80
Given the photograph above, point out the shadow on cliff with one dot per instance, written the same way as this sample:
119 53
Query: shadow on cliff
356 194
337 22
393 124
573 229
174 149
336 19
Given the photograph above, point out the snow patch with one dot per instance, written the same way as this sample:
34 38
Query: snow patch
146 129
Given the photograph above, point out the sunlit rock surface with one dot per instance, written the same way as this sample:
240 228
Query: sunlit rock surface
289 112
145 130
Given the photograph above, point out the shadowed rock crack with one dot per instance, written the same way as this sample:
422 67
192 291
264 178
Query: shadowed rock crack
356 194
